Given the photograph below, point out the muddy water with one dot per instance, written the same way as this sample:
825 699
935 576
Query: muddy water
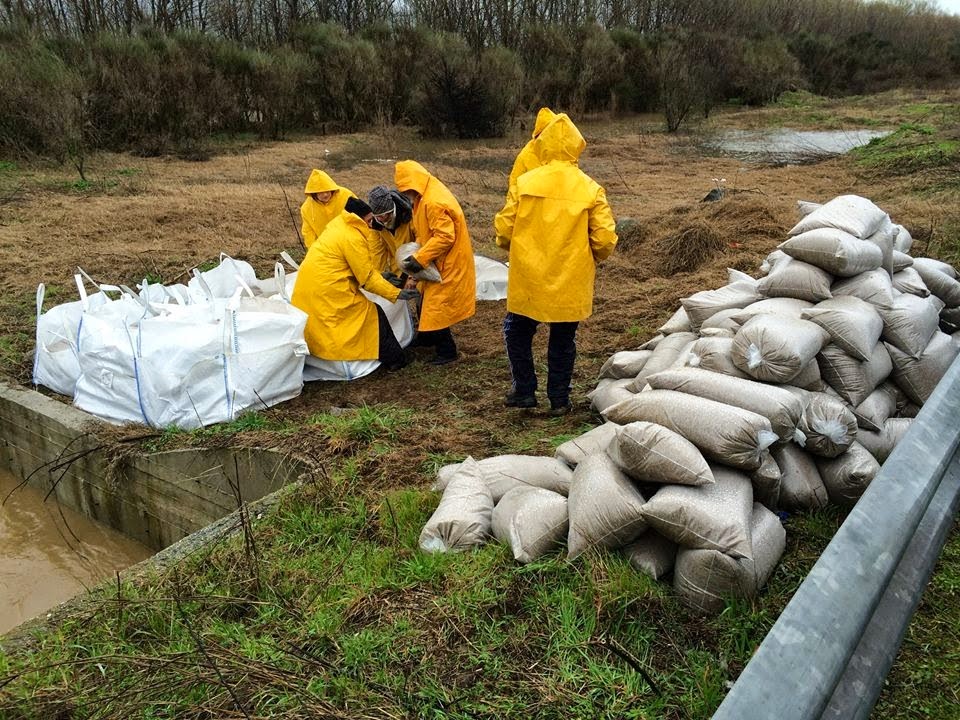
46 559
788 146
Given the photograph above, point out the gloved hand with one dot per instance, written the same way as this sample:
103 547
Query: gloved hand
409 294
392 279
410 263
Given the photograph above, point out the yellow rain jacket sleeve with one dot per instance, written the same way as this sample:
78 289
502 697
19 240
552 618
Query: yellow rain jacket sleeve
440 227
384 244
315 215
527 158
557 225
342 323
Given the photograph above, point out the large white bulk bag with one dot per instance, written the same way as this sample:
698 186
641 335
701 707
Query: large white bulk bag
776 348
909 323
801 487
532 521
491 278
462 520
853 324
848 475
224 280
834 251
850 213
648 452
853 379
796 279
918 376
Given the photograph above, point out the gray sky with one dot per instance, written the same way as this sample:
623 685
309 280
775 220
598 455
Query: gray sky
950 6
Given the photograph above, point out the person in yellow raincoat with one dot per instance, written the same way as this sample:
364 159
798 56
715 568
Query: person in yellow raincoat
527 158
342 323
441 229
324 201
392 213
557 225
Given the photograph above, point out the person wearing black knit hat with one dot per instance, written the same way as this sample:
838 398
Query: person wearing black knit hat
342 323
392 212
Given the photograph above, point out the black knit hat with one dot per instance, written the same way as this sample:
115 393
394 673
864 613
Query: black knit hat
357 207
381 200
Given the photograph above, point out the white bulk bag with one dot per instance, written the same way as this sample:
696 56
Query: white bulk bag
224 280
491 278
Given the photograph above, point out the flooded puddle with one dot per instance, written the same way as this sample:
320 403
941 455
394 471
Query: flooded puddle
48 553
789 146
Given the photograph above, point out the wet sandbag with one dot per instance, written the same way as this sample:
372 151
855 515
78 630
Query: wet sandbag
828 425
853 214
532 521
909 281
678 322
604 506
505 472
854 325
848 475
854 379
901 261
939 281
881 444
801 487
715 516
834 251
796 279
609 392
917 377
625 364
668 351
874 287
702 305
713 354
903 240
651 554
723 433
704 579
648 452
462 519
781 407
775 348
766 482
877 407
590 443
909 323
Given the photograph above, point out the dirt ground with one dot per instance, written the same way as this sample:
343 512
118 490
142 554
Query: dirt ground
163 216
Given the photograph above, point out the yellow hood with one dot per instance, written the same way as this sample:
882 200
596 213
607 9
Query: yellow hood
560 140
411 175
319 181
544 117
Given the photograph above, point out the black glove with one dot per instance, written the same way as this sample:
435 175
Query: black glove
392 279
410 263
409 294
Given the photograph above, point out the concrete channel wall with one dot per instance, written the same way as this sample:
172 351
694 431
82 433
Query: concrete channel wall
156 498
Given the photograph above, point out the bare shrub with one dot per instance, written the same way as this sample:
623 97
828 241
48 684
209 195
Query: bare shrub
694 245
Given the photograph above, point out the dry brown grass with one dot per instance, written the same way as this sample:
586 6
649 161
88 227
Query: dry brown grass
690 248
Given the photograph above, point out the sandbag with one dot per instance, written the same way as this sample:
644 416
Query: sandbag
909 281
604 506
901 261
934 264
713 354
722 320
909 323
625 364
532 521
715 516
505 472
723 433
918 376
834 251
903 241
848 475
705 578
776 348
652 343
809 378
796 279
771 261
828 424
651 554
883 238
788 306
851 213
801 487
853 324
702 305
881 444
590 443
805 207
462 519
781 407
854 379
429 272
678 322
667 352
766 482
877 407
939 278
648 452
609 392
874 287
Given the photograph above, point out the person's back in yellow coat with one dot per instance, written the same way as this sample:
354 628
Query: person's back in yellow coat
324 201
528 157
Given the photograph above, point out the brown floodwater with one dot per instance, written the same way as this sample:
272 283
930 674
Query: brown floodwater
46 557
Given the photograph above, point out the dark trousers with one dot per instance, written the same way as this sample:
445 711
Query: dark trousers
518 332
442 340
389 350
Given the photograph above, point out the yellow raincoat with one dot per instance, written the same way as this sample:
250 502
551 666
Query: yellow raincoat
527 158
441 229
341 324
557 226
316 215
384 244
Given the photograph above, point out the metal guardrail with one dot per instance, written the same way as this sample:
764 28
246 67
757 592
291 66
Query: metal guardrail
828 654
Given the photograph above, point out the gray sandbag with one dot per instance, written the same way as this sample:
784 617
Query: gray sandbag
809 378
877 407
934 264
834 251
651 554
909 323
909 281
678 322
609 392
791 307
901 261
723 433
854 325
766 482
801 487
648 452
848 475
853 379
604 507
883 238
652 343
532 521
805 207
796 279
769 262
776 348
950 320
853 214
705 578
918 376
667 352
939 281
705 303
903 240
881 444
828 424
781 407
874 287
713 354
625 364
721 321
462 519
714 516
734 275
712 332
505 472
591 442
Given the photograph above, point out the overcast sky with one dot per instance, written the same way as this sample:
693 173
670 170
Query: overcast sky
950 6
